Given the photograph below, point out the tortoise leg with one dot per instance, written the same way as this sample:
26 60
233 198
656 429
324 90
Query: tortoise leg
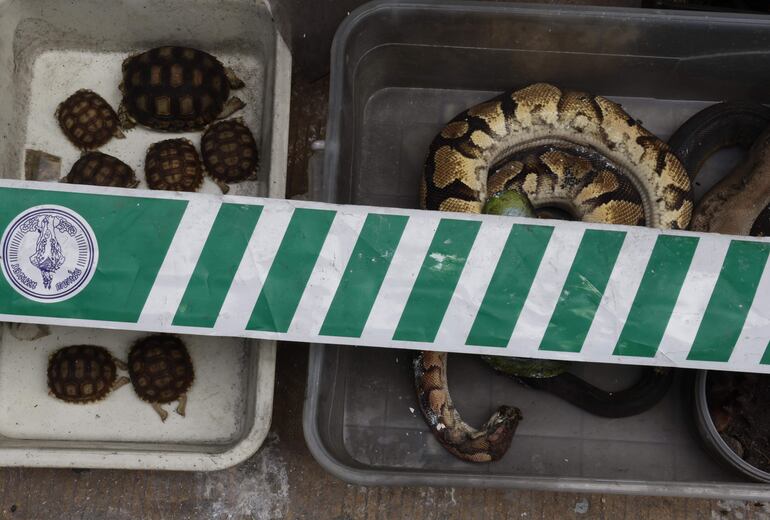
41 166
182 404
234 81
120 382
160 411
28 331
120 364
232 105
126 121
222 186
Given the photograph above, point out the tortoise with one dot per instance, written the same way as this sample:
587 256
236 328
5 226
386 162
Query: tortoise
161 371
176 89
83 373
229 152
88 120
173 165
100 169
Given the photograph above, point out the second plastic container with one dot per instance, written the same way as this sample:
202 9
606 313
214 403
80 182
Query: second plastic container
400 70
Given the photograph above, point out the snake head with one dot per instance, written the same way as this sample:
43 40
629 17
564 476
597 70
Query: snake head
499 430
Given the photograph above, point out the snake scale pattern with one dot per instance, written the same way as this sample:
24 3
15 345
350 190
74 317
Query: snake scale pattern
575 152
738 203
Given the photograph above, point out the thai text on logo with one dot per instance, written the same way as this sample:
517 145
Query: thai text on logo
49 253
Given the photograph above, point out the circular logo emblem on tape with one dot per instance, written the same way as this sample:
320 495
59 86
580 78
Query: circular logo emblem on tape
49 253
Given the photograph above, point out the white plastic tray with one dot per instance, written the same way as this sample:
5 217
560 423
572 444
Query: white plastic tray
48 50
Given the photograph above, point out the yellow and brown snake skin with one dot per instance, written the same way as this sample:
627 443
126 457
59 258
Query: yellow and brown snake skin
568 150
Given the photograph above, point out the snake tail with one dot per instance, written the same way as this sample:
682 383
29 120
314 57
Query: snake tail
486 444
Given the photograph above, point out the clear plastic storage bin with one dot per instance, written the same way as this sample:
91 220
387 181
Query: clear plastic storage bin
400 70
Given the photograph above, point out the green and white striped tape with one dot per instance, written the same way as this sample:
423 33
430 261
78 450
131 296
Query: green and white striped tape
297 271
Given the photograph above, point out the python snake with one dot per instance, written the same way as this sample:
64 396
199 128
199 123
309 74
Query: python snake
738 203
578 153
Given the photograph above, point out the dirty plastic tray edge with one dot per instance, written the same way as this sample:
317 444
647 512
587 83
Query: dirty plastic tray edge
263 370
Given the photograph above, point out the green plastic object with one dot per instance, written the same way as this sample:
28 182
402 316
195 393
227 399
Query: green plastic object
509 203
513 203
525 367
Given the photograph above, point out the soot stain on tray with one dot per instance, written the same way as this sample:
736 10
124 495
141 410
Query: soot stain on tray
738 407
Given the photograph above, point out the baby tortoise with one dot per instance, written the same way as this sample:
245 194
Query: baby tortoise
100 169
83 373
176 89
229 152
88 120
161 371
173 165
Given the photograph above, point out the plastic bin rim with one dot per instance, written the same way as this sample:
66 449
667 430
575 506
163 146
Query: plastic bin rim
375 6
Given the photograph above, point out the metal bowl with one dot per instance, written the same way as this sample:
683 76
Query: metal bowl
713 441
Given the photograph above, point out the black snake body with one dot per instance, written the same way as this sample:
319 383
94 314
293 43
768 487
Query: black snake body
738 203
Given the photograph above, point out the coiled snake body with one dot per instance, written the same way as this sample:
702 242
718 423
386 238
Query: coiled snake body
572 151
738 203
